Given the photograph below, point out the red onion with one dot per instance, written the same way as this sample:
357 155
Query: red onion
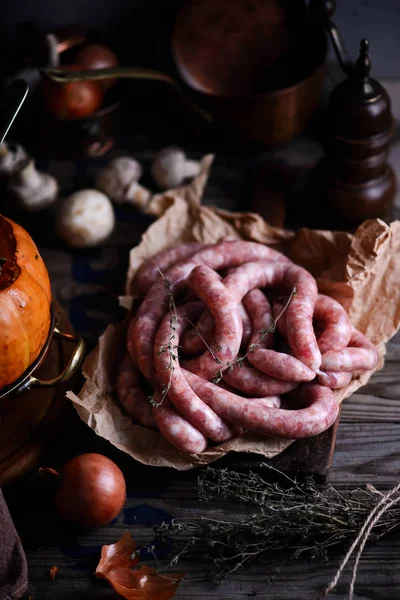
91 491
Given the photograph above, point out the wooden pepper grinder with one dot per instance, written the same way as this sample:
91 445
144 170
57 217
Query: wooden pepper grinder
354 178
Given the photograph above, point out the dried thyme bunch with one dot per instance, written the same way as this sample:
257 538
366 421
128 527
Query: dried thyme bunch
290 520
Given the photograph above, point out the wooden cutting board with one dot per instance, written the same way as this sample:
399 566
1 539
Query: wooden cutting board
31 421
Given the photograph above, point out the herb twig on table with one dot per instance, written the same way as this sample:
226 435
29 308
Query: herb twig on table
289 521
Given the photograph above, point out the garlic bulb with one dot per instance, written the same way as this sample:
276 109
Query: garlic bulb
119 181
10 156
85 218
33 189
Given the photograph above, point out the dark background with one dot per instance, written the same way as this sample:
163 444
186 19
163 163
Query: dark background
137 27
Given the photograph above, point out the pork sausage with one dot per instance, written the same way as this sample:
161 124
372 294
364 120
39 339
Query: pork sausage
334 380
299 314
360 355
275 364
174 428
319 410
143 327
171 378
132 396
228 324
148 272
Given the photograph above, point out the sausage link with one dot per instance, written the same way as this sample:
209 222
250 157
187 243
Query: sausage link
335 333
333 380
319 412
143 327
170 376
260 313
336 326
249 380
335 322
193 339
175 429
228 394
131 395
299 313
275 364
360 355
148 272
228 325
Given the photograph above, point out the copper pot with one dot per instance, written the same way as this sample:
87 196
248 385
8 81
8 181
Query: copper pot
260 82
28 379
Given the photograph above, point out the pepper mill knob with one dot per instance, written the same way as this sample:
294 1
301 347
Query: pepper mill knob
355 177
363 64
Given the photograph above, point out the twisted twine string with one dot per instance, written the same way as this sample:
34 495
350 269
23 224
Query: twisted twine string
372 519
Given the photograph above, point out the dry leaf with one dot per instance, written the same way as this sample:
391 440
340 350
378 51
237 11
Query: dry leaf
53 572
116 564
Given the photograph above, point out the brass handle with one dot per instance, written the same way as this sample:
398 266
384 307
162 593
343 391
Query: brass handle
72 366
322 12
65 76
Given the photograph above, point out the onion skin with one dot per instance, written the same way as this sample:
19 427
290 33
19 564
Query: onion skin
97 56
75 100
92 491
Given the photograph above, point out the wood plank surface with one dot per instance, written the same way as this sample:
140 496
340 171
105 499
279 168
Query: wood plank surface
367 451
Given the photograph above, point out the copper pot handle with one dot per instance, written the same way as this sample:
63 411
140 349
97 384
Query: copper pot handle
64 76
72 366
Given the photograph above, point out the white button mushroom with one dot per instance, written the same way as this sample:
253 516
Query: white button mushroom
10 156
33 189
119 181
85 218
171 167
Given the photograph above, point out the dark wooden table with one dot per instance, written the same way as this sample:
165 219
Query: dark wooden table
367 451
367 447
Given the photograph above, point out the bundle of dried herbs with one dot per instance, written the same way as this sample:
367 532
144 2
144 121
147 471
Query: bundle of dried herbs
290 520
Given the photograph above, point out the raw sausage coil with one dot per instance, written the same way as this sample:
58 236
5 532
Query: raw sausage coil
132 396
299 314
319 410
170 377
175 429
143 327
360 355
228 324
148 272
275 364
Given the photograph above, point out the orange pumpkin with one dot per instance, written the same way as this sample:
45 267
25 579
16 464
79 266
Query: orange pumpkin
25 299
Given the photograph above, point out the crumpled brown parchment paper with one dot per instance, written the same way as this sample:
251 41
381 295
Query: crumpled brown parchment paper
359 270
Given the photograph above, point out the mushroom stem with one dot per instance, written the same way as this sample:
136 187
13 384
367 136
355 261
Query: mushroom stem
28 175
191 168
138 195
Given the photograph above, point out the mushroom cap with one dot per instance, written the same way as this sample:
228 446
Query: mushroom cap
10 156
40 197
117 176
85 218
168 167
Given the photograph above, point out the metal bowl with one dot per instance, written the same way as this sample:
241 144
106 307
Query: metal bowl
28 379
